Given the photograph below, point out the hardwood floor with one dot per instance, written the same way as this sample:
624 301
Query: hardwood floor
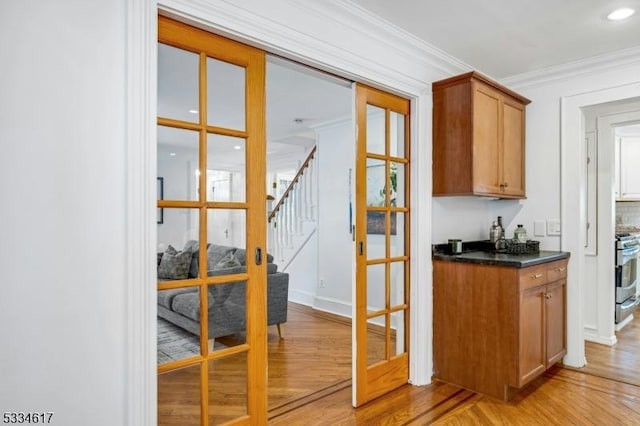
619 362
314 355
313 359
309 384
560 397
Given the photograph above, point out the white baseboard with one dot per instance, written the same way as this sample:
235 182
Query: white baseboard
332 306
301 297
592 336
624 322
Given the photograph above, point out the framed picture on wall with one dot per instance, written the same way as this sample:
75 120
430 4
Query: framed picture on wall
160 185
376 223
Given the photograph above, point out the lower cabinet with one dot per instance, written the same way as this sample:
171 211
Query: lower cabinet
497 328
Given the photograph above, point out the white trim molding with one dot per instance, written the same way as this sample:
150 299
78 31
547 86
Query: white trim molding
593 65
573 190
141 371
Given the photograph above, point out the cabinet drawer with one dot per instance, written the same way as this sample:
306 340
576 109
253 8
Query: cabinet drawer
533 276
557 270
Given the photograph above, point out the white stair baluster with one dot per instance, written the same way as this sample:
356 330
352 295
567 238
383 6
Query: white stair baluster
297 190
312 172
289 222
307 184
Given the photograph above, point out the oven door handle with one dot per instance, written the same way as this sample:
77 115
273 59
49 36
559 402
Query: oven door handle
627 255
629 287
629 303
631 251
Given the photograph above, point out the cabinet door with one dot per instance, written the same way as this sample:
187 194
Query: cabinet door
486 135
532 335
555 298
513 166
629 170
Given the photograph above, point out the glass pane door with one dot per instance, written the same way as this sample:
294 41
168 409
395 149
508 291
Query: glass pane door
211 229
382 244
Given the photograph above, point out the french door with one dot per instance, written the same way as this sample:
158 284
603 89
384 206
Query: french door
211 229
382 244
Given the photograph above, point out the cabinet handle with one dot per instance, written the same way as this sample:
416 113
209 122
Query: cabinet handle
560 269
505 184
547 295
535 276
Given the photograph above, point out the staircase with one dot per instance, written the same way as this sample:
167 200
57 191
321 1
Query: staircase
292 222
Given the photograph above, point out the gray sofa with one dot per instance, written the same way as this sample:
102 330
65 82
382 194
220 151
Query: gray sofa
226 302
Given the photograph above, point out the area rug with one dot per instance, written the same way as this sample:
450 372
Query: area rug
175 343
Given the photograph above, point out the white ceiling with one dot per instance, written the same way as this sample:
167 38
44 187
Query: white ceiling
502 38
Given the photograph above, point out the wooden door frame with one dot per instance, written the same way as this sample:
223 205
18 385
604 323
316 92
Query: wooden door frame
229 20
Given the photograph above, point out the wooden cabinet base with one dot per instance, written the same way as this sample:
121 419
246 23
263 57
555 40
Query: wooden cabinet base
497 328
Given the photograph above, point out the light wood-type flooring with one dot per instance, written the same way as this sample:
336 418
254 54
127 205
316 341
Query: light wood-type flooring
619 362
309 384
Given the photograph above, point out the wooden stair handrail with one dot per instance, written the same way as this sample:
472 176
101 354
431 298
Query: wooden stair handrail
293 182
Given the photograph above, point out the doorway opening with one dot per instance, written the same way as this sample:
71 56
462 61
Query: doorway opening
310 154
612 147
222 111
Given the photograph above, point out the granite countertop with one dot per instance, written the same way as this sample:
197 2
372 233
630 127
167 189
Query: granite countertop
475 252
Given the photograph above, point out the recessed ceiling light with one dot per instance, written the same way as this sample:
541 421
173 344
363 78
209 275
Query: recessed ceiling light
193 111
173 154
620 14
237 147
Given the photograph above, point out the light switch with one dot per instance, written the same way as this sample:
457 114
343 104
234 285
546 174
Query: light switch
553 227
539 227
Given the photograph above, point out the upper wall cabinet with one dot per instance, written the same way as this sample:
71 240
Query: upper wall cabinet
627 173
478 138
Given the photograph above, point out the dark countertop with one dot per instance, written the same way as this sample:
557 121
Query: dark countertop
502 259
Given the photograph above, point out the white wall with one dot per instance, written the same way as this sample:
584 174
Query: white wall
303 273
336 157
62 182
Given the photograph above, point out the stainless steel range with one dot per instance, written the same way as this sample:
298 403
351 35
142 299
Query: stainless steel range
627 250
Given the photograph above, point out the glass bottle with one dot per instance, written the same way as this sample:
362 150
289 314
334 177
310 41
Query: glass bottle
501 228
520 234
495 233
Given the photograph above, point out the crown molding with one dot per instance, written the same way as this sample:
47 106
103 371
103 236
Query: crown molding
337 36
382 31
583 67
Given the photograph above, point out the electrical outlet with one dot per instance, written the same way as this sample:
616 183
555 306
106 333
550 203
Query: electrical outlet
553 227
321 283
539 227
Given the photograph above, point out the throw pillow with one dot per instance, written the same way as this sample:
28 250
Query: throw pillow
174 265
228 261
191 245
215 253
194 247
220 292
